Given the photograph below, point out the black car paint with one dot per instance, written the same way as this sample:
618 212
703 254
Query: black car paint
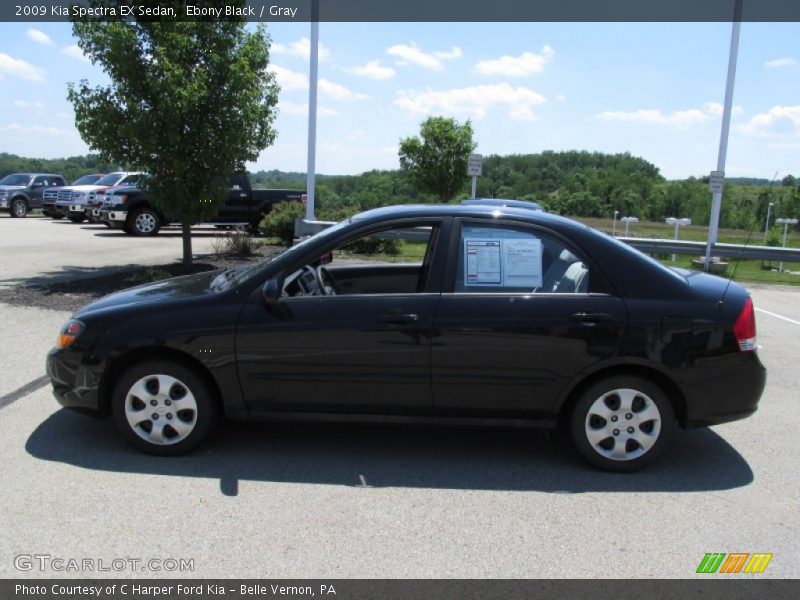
359 355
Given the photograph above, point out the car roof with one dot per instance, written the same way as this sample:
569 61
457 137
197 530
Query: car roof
37 174
467 210
502 202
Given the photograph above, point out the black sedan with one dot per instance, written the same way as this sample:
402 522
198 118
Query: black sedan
500 316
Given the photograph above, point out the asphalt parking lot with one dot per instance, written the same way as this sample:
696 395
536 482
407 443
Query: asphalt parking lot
269 500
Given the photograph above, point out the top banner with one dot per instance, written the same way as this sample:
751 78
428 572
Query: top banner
270 11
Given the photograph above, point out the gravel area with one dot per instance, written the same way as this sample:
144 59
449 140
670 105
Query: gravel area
68 292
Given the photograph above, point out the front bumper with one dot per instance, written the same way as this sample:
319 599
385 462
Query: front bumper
114 215
77 208
75 384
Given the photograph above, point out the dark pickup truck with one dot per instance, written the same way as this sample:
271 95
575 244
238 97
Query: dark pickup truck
127 208
22 192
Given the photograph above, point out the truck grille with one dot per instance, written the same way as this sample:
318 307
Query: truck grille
64 195
50 195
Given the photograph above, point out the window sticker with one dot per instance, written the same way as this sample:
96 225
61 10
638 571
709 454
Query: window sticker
512 262
522 263
482 262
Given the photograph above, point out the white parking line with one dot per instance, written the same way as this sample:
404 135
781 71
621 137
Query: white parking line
772 314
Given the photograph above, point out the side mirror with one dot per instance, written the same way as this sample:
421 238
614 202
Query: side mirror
325 259
271 291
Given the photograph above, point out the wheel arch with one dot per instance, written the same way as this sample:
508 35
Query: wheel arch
120 363
667 384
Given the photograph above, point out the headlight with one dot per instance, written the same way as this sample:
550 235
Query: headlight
69 333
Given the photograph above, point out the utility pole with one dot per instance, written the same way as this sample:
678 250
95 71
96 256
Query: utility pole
312 111
716 202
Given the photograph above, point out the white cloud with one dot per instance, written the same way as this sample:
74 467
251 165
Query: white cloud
339 92
561 97
778 63
74 51
715 109
373 69
37 129
410 53
40 37
678 118
474 102
26 104
301 110
288 79
523 65
19 68
301 49
777 120
292 80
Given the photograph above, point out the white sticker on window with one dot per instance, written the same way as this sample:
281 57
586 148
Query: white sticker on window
523 263
482 262
513 262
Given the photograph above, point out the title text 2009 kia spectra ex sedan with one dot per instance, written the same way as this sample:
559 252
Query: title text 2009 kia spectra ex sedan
494 316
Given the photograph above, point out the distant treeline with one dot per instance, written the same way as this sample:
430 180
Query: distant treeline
589 184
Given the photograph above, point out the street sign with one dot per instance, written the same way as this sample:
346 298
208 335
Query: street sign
475 165
716 181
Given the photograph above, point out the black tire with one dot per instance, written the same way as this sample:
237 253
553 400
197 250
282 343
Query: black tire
615 413
77 218
18 208
195 425
57 216
143 222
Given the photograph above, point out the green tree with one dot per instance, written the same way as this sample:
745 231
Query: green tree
189 102
436 160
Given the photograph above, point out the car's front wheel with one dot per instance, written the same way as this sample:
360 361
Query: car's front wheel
144 221
163 407
622 423
18 208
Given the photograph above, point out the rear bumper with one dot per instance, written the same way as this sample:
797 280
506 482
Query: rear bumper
728 397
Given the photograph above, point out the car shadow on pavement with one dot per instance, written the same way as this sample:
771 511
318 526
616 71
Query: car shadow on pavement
385 456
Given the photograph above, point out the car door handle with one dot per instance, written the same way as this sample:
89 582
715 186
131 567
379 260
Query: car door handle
399 318
590 317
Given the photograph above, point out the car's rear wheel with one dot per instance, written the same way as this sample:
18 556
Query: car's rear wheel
144 221
163 407
622 423
18 208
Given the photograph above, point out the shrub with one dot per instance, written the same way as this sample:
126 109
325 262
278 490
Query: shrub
374 245
279 222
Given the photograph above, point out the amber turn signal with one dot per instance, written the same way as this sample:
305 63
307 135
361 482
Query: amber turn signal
69 333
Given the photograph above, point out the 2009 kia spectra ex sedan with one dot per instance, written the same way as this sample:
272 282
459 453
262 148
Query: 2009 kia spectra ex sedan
494 316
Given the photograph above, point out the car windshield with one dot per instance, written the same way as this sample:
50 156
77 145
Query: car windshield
233 277
86 180
16 180
110 179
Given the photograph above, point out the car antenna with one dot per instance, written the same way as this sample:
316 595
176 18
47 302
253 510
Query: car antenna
746 242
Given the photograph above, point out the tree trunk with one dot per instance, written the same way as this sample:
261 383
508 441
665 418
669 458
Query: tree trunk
186 231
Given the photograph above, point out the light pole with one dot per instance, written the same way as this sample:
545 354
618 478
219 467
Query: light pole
766 225
628 221
678 224
614 225
785 223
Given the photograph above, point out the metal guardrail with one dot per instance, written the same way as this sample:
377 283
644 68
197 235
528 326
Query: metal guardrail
303 228
722 250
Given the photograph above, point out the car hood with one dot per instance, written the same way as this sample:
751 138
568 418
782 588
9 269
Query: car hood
87 188
177 288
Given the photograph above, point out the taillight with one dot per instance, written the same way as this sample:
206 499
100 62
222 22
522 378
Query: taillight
745 327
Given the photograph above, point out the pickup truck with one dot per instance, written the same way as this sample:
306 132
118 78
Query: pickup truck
22 192
51 195
127 208
80 198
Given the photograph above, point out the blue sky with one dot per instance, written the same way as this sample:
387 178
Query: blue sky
652 89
